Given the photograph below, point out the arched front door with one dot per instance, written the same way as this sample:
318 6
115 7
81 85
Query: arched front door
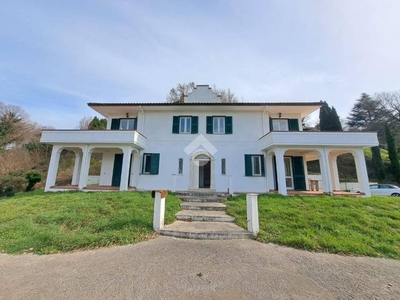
204 163
202 171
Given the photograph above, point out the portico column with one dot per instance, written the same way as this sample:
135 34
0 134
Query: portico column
53 167
125 169
77 168
270 172
83 176
334 173
280 171
325 172
362 173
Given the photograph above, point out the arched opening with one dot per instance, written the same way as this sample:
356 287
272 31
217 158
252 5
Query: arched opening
202 171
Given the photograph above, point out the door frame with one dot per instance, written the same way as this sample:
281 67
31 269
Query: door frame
194 170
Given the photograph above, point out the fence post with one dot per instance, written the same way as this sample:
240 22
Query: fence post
159 210
252 213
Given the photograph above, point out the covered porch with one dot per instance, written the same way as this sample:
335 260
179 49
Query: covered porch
119 153
287 154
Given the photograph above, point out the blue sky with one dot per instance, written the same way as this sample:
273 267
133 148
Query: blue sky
55 56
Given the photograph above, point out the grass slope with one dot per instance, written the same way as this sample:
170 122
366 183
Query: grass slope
46 223
355 226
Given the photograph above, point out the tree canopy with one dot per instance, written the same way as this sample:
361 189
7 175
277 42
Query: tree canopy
329 119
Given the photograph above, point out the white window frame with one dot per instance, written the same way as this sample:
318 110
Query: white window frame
218 125
187 125
127 124
280 125
255 158
147 157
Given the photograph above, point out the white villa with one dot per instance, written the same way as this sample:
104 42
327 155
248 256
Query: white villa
204 144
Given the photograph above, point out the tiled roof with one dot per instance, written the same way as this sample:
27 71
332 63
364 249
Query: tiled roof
212 104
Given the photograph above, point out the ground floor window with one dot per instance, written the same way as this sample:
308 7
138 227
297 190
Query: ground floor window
151 163
254 165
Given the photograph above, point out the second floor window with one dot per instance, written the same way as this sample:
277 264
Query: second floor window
219 125
127 124
280 125
185 124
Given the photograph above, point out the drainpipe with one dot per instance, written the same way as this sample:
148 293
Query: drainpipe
142 126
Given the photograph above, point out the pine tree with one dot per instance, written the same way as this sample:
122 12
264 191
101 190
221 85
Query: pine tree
329 119
377 164
394 160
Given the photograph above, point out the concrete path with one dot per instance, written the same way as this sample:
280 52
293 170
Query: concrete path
169 268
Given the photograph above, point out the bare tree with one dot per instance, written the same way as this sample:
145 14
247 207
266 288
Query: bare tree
14 126
391 103
84 123
177 94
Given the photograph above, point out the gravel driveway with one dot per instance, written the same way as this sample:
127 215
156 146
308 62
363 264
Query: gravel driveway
169 268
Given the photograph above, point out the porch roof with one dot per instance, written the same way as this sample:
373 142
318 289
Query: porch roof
300 139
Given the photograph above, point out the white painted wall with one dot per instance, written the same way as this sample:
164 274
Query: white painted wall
248 127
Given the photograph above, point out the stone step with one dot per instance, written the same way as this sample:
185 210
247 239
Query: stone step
203 206
203 216
205 231
202 194
202 199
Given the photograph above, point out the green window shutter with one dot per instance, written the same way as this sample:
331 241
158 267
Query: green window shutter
135 126
155 162
175 124
262 166
195 125
209 125
248 170
270 125
293 125
115 124
228 125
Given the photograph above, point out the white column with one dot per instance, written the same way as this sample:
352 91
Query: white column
325 172
159 211
135 169
77 168
270 172
306 173
280 170
334 173
53 167
125 169
83 176
252 214
362 173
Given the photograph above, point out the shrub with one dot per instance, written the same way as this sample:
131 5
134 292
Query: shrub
33 178
12 183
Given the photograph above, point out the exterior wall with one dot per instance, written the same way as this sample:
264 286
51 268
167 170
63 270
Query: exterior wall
107 166
247 129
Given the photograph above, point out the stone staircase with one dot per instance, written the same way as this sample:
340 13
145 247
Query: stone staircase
204 217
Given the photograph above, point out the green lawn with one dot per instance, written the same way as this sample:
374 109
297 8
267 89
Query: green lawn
59 222
345 225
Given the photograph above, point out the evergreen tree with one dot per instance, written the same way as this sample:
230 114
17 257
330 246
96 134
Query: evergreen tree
329 119
97 124
394 160
377 164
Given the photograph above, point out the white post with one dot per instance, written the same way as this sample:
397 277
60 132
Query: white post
252 213
53 167
334 173
77 168
123 186
159 211
362 173
325 172
270 173
280 170
83 176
